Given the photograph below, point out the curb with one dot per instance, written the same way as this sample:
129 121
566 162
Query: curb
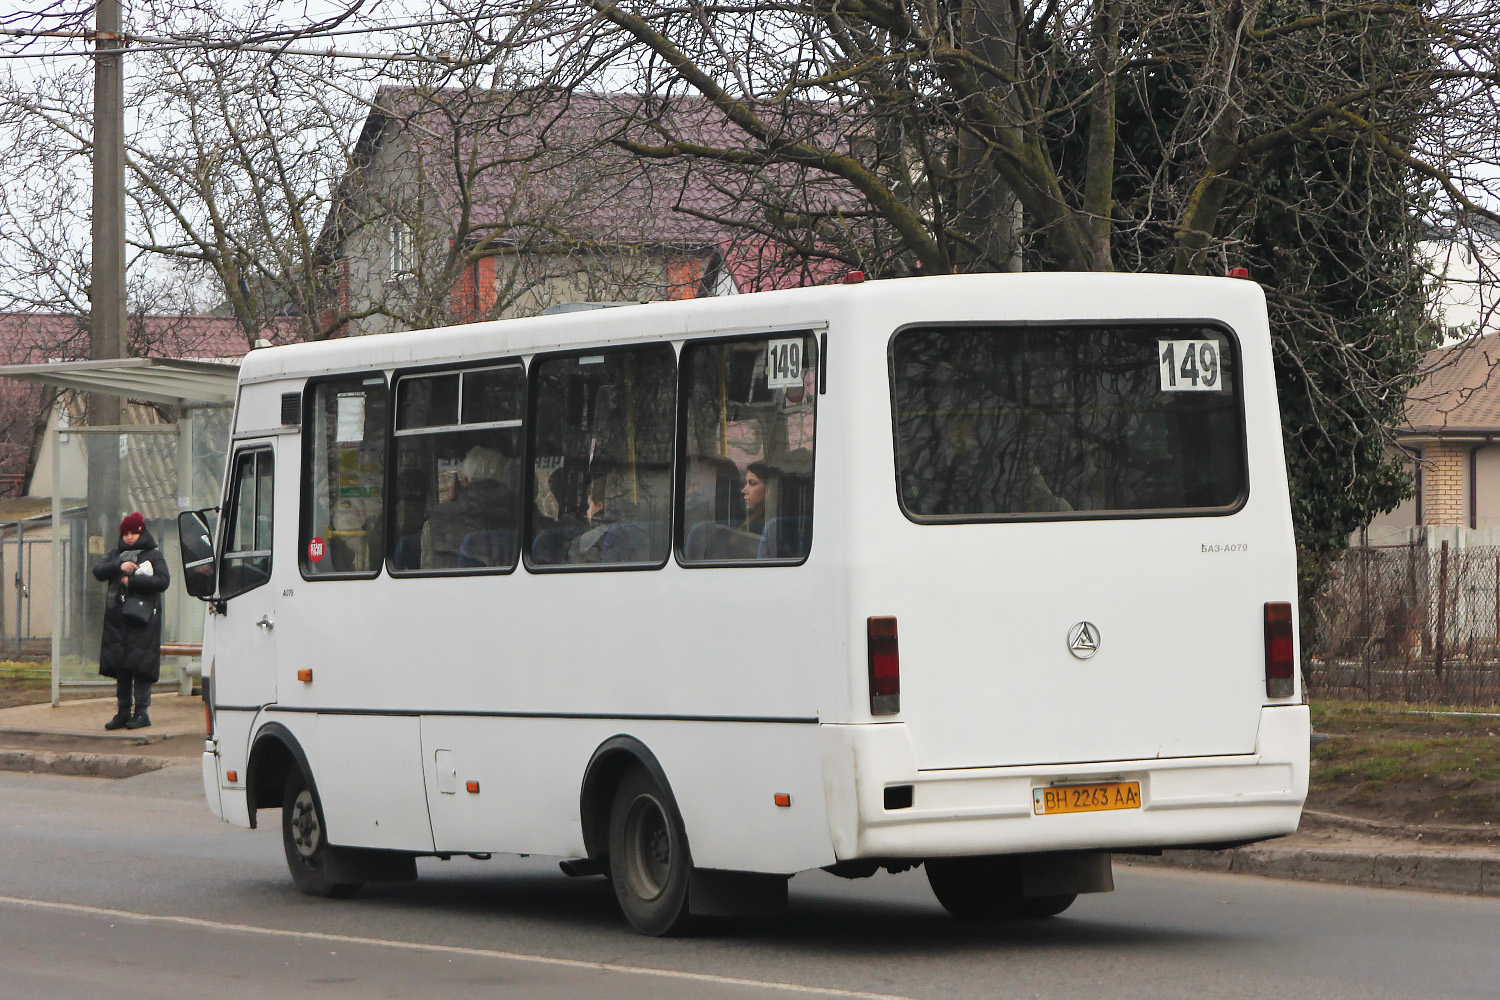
88 765
1471 836
1398 868
135 737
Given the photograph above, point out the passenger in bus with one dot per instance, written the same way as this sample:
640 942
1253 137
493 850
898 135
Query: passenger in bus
761 482
481 502
551 536
1037 495
603 496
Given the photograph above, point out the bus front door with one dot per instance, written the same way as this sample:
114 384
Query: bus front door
244 665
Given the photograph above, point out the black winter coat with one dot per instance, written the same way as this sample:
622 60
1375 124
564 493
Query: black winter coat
129 645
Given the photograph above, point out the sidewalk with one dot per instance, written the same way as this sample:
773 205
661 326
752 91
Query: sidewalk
1348 851
70 739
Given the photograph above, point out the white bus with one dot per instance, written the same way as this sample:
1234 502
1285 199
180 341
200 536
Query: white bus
993 574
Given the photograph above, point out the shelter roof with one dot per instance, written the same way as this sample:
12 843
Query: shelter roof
32 508
160 380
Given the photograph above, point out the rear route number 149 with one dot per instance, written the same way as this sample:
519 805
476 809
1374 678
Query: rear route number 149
1190 365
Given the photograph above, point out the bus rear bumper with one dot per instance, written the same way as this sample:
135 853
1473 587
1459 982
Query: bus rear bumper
1196 801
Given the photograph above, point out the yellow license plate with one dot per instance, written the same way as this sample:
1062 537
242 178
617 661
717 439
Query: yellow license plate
1086 798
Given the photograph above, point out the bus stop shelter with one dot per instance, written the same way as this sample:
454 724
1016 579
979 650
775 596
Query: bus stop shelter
155 465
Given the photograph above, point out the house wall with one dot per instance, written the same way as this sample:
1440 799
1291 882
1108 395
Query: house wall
1395 526
1464 296
74 462
521 282
1487 487
1445 484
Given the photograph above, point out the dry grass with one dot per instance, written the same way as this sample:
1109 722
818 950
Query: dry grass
1409 763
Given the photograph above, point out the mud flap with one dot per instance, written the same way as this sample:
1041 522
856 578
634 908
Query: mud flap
1066 872
367 864
714 892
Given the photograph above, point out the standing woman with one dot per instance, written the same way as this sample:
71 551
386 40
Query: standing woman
130 650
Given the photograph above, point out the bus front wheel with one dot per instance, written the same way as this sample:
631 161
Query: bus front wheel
648 856
304 839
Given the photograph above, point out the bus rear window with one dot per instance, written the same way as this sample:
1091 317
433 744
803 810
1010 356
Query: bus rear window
1066 421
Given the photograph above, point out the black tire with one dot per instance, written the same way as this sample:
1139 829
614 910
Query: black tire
302 836
977 888
1046 906
649 862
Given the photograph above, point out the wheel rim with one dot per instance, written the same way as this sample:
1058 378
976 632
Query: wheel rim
307 833
648 847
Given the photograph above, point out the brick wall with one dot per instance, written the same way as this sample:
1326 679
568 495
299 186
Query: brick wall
683 277
1444 498
473 293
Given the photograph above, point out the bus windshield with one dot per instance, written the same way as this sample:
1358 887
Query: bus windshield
1066 421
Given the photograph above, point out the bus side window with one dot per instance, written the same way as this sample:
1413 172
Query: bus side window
601 445
747 462
458 470
343 517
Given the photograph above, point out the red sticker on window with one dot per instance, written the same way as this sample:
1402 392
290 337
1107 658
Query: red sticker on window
315 549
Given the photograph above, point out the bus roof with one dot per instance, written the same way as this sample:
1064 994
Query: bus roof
1034 296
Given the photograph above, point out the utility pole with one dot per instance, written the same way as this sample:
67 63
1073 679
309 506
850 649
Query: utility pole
106 300
107 291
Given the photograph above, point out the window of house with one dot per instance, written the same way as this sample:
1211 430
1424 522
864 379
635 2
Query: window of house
747 453
343 508
459 470
601 446
403 255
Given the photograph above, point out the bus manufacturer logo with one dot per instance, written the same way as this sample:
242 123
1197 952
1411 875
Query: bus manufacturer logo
1083 640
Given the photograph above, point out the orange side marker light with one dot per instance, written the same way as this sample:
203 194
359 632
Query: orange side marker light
305 675
783 799
472 786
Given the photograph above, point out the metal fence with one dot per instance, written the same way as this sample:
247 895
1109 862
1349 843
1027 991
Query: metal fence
1412 622
26 589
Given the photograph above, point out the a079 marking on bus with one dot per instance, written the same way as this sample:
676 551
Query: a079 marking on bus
1189 365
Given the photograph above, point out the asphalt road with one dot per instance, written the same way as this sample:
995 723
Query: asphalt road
130 889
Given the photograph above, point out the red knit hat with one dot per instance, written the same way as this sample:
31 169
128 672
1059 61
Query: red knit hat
135 521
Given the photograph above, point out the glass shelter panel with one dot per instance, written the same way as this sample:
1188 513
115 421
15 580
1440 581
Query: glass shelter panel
749 417
102 474
343 512
459 469
1067 421
602 431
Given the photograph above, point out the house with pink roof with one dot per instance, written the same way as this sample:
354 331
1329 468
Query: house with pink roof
40 338
467 205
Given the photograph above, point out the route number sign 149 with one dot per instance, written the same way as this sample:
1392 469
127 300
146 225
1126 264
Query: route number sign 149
1190 365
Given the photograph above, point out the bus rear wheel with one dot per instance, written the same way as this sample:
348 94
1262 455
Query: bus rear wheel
649 862
1041 907
303 838
978 888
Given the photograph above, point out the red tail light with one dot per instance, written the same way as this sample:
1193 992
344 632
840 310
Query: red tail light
1280 663
885 666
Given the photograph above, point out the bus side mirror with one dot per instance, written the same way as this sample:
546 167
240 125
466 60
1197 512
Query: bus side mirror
196 540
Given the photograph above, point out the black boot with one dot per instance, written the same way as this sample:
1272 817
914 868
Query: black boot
122 718
139 720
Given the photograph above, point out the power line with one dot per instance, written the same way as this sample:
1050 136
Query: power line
161 43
